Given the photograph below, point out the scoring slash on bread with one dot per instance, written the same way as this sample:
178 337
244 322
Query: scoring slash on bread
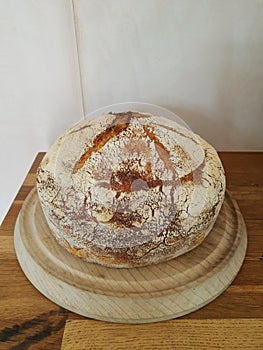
130 189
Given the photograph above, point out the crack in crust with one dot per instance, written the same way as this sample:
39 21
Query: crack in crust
164 154
177 132
119 124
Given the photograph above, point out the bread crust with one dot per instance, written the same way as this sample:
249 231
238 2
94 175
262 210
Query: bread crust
130 189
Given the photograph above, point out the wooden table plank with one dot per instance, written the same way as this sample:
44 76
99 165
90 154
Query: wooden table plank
178 334
28 319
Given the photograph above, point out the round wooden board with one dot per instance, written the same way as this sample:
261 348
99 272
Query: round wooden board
138 295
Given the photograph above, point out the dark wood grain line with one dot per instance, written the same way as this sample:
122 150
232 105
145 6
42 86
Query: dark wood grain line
36 162
20 336
23 193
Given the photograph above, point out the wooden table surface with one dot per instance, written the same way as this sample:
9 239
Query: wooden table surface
233 321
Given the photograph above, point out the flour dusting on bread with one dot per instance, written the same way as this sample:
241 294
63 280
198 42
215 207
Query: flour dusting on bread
130 189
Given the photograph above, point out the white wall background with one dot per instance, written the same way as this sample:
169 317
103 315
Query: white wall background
39 84
201 59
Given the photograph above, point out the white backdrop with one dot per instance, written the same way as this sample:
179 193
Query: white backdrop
39 84
201 59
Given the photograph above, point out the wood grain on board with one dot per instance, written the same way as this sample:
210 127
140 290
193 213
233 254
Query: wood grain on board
139 295
28 318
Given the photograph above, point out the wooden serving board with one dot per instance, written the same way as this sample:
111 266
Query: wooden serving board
138 295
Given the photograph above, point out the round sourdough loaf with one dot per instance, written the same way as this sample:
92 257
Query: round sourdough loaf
130 189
